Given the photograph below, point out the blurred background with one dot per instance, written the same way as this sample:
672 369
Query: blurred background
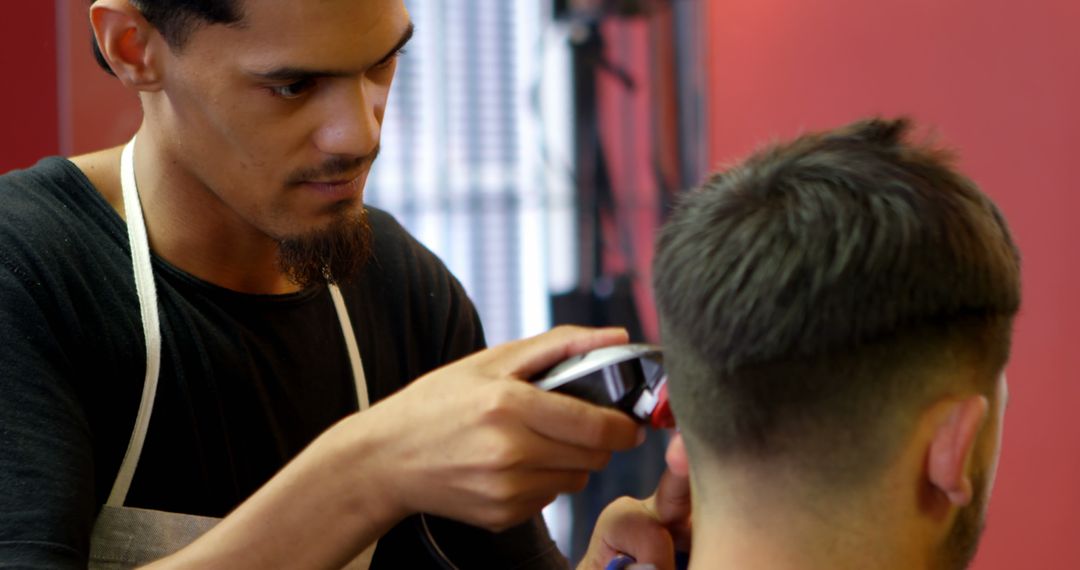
535 145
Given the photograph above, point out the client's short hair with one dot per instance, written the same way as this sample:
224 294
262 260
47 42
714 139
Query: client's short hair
813 298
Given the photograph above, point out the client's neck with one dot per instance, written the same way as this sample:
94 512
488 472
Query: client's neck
754 522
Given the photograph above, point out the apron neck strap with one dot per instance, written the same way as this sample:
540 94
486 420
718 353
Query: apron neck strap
148 310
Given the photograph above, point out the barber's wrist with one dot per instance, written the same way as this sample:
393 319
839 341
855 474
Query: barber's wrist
359 464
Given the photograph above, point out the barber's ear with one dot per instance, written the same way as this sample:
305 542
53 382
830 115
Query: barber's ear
127 43
677 460
953 445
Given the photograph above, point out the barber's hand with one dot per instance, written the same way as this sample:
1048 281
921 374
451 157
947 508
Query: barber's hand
649 530
473 441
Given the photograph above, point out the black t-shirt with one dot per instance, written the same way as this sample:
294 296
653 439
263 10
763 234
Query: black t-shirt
246 380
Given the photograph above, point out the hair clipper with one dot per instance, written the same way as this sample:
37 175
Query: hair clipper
627 377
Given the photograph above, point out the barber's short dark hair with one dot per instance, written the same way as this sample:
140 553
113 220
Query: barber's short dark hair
814 293
176 19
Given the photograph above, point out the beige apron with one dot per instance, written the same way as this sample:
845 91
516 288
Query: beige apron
126 537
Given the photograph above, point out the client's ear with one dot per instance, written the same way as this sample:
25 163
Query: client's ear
953 444
677 460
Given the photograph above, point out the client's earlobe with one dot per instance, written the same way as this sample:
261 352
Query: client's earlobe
953 446
676 458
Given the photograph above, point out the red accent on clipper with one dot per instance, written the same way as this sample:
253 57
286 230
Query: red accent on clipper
661 417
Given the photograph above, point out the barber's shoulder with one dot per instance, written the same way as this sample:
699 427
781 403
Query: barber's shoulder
45 211
28 196
57 180
102 170
385 225
393 243
401 262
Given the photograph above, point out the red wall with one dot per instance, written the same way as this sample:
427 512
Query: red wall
99 111
28 103
1000 82
54 99
624 117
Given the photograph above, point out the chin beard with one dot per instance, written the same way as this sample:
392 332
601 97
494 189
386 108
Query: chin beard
962 542
334 254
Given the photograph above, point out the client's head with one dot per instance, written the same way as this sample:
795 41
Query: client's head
836 313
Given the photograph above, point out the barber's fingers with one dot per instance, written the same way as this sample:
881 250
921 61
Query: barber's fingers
506 501
671 506
627 526
531 451
572 421
527 357
527 485
672 499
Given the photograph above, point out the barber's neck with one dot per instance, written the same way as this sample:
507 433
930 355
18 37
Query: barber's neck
760 521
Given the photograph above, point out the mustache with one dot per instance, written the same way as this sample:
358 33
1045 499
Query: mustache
335 166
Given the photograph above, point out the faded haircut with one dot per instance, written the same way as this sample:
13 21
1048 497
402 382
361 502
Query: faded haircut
817 295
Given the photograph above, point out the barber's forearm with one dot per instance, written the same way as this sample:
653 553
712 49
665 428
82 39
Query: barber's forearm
320 511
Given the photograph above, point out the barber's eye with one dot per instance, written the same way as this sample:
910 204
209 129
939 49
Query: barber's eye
293 90
389 61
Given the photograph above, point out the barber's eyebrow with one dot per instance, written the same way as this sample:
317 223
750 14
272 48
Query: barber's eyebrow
400 45
296 73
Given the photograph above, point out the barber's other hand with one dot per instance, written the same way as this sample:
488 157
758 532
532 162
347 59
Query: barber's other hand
649 530
474 442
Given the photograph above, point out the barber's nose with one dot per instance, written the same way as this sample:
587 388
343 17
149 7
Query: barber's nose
353 121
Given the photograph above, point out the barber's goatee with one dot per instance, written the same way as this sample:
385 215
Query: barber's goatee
334 254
